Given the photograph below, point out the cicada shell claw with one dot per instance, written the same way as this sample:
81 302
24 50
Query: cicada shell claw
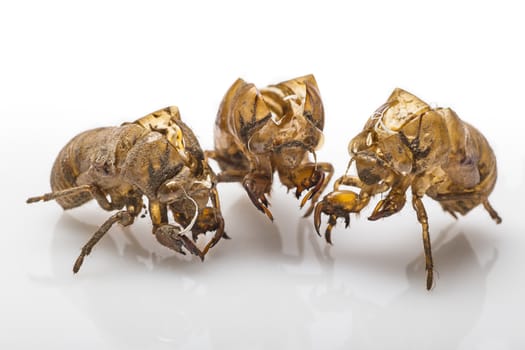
337 204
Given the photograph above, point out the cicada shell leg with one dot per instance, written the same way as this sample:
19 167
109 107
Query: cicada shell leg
493 214
124 217
337 204
326 171
58 194
417 203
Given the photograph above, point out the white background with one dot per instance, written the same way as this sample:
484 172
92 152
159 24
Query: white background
68 66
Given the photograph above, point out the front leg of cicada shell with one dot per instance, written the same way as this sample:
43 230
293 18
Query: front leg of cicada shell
169 235
258 186
313 177
210 219
340 203
394 201
337 204
173 237
392 204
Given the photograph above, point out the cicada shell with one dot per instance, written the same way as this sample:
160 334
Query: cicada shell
408 145
274 129
157 157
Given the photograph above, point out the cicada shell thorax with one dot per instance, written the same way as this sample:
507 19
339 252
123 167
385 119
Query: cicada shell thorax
151 162
243 111
296 117
401 108
313 105
231 132
164 122
297 97
394 141
409 136
167 121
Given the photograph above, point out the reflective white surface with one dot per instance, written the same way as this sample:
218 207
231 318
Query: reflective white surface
272 286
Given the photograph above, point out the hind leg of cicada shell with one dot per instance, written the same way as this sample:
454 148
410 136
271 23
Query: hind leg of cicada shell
95 191
58 194
123 217
423 220
493 214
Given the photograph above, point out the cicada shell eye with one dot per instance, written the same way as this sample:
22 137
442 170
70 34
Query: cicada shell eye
362 141
396 155
371 169
369 172
261 142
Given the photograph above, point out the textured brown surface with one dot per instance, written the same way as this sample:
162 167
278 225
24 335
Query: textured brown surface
158 157
407 144
274 129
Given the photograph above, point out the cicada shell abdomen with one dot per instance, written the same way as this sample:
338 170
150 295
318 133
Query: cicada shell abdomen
93 157
67 168
471 167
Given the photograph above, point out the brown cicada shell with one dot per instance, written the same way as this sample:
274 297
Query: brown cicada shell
158 157
407 144
275 129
